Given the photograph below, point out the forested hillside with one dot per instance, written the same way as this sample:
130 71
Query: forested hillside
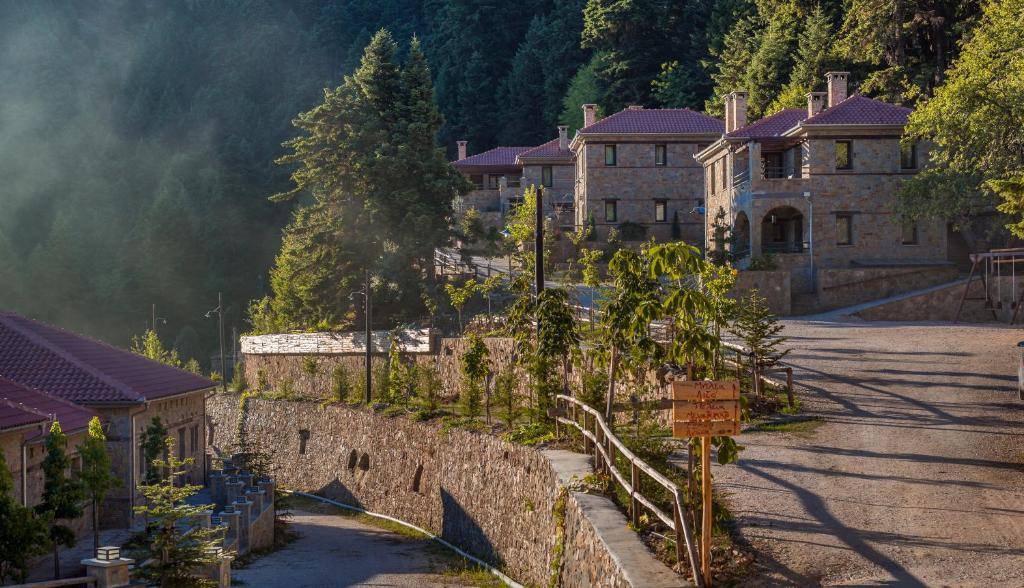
138 137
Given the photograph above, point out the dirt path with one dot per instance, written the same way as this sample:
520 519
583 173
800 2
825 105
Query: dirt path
334 550
914 477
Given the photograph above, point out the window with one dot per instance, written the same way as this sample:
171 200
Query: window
610 155
844 229
908 155
493 182
909 233
660 211
725 172
844 155
512 181
546 176
477 180
611 211
660 154
180 449
194 434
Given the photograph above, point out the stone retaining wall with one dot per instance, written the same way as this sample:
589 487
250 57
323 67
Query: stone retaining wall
839 287
941 305
775 286
491 498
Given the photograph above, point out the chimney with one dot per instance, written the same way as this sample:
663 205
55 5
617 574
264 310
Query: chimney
815 102
737 105
589 114
837 86
636 107
729 127
563 137
462 149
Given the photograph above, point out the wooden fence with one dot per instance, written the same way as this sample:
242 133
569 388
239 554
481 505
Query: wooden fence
599 439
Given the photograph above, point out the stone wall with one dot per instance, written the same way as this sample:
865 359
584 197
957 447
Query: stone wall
940 304
491 498
773 285
839 287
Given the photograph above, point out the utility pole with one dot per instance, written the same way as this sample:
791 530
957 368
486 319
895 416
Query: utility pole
153 313
220 328
539 241
369 334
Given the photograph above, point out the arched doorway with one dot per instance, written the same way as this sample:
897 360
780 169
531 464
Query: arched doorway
741 236
782 231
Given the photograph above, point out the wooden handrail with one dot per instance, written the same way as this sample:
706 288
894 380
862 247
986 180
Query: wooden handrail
603 434
86 580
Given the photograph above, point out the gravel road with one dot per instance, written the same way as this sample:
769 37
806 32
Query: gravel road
335 550
914 477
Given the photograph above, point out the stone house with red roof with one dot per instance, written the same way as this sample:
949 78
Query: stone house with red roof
816 188
26 415
125 389
635 172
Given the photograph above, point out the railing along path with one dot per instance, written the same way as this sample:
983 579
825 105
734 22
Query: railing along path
604 444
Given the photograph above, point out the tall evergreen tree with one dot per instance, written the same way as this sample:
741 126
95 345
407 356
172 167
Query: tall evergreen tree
97 478
23 535
61 494
813 59
367 159
583 89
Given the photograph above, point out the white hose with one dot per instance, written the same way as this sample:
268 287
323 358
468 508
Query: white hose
508 581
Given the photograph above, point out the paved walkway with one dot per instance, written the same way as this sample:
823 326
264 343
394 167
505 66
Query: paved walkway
914 478
334 550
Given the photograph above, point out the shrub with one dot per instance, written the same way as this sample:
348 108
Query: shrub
763 263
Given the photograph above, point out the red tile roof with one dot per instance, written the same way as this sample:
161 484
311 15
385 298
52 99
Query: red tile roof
860 110
548 150
20 405
493 158
667 121
82 370
771 126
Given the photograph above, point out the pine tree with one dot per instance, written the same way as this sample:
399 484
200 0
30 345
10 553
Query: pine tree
759 329
729 64
153 448
813 59
584 88
773 59
61 495
176 549
475 367
97 477
23 535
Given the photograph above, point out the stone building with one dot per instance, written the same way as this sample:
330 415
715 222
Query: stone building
551 167
497 182
25 419
635 172
125 389
816 187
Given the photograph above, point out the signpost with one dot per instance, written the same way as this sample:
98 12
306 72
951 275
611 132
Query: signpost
705 409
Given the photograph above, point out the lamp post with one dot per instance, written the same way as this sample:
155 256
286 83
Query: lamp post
220 329
810 234
539 241
368 357
156 318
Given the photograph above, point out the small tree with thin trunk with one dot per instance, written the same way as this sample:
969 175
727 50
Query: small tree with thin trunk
153 447
62 495
97 478
475 367
460 296
23 534
177 549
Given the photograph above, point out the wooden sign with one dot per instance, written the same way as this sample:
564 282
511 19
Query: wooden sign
699 391
714 410
707 429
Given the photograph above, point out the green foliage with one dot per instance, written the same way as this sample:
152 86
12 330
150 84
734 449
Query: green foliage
759 329
150 346
23 534
459 296
475 367
583 89
530 434
153 448
238 383
310 366
428 386
177 549
813 58
401 376
631 231
763 263
62 495
366 158
975 122
723 240
342 389
96 477
506 397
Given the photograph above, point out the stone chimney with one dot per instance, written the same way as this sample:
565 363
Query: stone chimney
735 111
563 137
815 102
636 107
462 149
837 86
589 114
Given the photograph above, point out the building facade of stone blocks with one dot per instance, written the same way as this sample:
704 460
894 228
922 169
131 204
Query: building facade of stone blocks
636 173
126 391
817 187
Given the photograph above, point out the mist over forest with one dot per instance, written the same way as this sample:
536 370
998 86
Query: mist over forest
138 137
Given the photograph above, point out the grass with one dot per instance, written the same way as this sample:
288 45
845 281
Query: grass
451 565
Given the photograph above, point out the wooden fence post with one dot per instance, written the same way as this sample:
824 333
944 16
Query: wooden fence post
634 504
789 387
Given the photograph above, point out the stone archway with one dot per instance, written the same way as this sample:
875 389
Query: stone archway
782 231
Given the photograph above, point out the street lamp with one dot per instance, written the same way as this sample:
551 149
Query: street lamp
365 293
156 318
220 328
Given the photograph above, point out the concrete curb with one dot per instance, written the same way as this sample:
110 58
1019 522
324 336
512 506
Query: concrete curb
508 581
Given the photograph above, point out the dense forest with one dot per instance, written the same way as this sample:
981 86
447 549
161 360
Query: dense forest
138 137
